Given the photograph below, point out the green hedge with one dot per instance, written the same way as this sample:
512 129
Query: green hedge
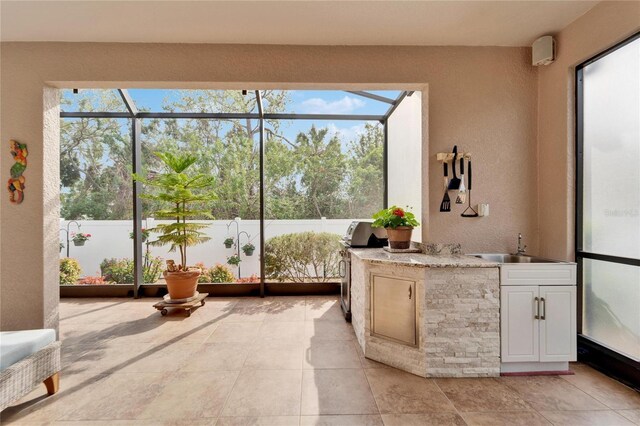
303 257
121 271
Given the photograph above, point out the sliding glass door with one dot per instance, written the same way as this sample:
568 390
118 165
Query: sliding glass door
608 199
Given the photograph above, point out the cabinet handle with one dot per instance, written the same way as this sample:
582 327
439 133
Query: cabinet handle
410 292
537 316
544 308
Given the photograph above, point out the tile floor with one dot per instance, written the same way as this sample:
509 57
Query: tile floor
280 361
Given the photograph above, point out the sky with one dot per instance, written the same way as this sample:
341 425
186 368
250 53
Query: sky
302 102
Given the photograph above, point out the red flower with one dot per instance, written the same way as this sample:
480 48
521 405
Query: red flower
87 235
398 212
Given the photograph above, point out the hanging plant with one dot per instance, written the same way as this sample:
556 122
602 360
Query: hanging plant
79 239
234 260
248 249
228 242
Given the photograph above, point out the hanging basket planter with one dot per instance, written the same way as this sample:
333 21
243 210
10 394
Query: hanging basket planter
248 249
228 243
79 239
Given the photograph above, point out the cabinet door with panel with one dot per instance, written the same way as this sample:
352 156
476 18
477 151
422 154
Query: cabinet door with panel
557 323
393 309
519 323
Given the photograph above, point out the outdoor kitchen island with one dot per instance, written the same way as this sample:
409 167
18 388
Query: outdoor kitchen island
433 315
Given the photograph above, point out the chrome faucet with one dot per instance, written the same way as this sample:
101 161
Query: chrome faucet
521 249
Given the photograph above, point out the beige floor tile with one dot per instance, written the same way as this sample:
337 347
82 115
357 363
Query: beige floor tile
120 397
161 358
610 392
265 393
505 418
275 356
397 392
39 408
286 310
282 331
551 393
191 395
235 332
222 356
109 358
331 354
343 420
247 312
586 418
317 330
338 391
427 419
633 415
259 421
482 394
323 308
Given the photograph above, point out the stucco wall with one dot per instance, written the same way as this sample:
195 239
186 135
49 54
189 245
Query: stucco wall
602 27
483 99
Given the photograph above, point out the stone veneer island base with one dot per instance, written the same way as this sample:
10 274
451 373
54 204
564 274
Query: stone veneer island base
430 315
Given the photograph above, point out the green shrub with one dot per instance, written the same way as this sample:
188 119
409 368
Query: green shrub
121 271
215 274
70 271
303 257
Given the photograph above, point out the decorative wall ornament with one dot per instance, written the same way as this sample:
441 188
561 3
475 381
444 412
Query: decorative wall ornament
16 182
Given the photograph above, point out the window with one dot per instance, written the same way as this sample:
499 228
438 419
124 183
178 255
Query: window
608 198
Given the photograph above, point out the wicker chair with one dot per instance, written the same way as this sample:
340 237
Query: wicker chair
20 378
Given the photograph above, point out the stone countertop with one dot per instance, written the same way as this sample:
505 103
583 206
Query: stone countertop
421 260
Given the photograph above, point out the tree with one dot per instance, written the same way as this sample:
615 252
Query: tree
321 165
366 175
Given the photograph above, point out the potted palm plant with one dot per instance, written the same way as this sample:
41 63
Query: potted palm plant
399 225
180 191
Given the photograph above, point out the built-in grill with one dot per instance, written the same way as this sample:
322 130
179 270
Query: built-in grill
360 234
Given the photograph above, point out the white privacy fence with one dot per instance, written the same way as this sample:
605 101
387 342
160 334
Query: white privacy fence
110 239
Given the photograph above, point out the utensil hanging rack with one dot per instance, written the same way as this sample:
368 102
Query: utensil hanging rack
448 156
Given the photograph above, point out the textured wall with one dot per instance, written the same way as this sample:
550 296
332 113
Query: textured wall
601 27
483 99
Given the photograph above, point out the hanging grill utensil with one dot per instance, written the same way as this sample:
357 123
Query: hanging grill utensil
462 192
454 183
473 212
445 205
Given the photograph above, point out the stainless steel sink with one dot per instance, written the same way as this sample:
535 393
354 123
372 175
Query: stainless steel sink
512 258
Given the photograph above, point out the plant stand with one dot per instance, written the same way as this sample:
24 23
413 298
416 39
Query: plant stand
187 306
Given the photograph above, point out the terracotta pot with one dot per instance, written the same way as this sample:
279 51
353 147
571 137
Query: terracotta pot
400 237
182 285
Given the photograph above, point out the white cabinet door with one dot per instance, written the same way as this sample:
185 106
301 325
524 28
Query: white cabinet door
519 327
393 309
557 323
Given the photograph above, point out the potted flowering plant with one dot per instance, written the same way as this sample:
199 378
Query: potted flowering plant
248 249
228 242
234 260
399 225
79 239
179 190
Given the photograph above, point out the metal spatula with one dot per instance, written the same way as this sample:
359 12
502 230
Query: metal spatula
462 192
454 183
445 205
